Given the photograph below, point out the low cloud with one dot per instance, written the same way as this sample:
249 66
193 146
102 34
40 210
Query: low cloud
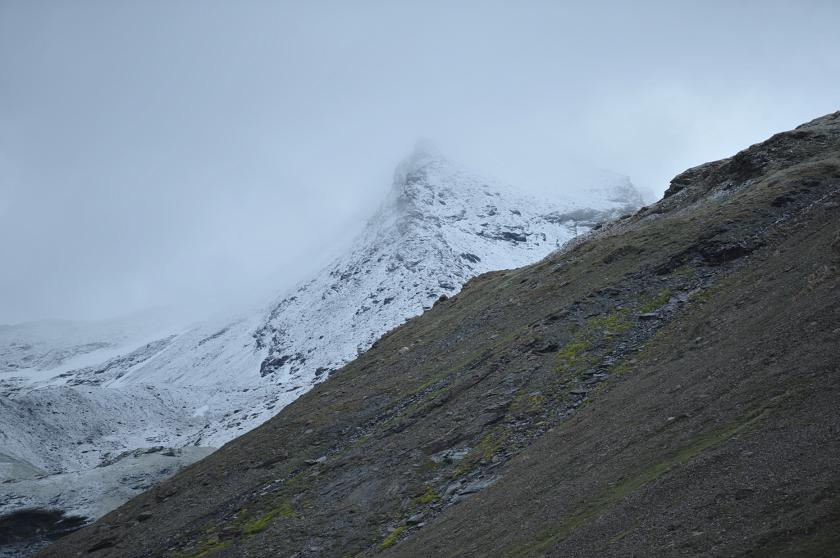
203 154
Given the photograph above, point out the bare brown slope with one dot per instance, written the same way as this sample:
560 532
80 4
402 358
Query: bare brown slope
666 387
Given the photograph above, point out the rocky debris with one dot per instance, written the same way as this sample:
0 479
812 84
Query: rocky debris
452 454
477 486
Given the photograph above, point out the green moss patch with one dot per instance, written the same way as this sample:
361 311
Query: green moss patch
427 497
252 526
656 301
392 537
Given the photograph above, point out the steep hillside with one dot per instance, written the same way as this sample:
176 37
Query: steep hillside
665 386
439 226
80 402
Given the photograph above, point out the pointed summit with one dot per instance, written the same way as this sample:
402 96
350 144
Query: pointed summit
425 153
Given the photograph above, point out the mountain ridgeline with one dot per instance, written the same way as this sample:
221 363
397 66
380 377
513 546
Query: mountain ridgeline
666 385
92 414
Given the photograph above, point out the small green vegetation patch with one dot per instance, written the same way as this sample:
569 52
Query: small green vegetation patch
535 400
655 302
491 443
427 497
617 321
251 527
574 356
392 537
483 451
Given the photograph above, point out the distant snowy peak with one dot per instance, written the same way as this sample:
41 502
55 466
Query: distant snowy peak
429 182
427 185
607 191
439 226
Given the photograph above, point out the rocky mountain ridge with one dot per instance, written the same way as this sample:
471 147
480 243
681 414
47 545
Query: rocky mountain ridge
665 385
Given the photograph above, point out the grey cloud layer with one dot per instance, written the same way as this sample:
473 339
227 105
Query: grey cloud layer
193 153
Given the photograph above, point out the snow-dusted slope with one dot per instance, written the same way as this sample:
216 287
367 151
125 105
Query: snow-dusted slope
439 226
202 386
44 349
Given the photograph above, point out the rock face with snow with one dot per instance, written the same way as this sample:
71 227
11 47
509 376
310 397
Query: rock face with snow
72 406
438 227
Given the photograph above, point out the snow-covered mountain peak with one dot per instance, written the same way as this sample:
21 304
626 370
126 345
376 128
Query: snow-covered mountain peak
429 187
419 177
439 226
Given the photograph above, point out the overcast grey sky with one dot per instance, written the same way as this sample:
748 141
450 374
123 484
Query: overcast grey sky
167 152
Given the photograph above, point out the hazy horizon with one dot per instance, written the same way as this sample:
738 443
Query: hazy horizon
207 154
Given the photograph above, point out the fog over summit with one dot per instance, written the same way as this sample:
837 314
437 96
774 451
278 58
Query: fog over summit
198 154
